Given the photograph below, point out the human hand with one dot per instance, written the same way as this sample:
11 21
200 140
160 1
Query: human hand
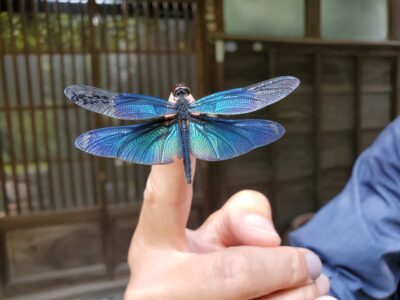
226 258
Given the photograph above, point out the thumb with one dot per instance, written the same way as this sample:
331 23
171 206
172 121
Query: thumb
246 219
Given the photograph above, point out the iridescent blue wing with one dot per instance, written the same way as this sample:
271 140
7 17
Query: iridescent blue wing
122 106
247 99
147 143
218 139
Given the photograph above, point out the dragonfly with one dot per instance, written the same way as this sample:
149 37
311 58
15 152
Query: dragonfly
181 127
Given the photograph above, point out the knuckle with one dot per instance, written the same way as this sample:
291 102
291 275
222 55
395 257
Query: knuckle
229 267
234 269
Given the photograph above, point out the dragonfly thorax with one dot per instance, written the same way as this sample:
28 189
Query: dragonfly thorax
182 105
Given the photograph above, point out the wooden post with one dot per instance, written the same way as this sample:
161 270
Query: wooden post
357 107
200 48
105 221
317 128
395 101
313 18
394 19
4 274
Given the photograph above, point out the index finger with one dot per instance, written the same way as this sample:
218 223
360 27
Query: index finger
166 206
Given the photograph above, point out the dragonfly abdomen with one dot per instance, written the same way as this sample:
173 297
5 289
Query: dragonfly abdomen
184 132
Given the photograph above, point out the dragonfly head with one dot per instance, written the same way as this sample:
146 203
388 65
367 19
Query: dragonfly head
181 89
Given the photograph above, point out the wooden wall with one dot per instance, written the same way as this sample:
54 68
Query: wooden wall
348 93
66 218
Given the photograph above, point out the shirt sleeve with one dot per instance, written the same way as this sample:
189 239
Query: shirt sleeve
357 234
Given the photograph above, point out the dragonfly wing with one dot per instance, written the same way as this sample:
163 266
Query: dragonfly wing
215 139
119 105
247 99
147 143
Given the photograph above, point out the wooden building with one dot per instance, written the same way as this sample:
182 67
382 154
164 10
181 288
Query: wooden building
66 218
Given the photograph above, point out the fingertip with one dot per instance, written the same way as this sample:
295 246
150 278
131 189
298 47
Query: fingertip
323 284
248 215
314 264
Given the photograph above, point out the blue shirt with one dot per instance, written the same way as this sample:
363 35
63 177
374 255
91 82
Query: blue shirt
357 234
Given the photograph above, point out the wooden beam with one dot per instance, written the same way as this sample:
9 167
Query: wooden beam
307 41
357 106
201 48
272 153
395 104
313 18
49 218
317 128
219 14
4 267
394 19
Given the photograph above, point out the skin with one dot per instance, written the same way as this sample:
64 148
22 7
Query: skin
235 254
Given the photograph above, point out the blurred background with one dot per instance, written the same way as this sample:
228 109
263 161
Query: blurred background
66 218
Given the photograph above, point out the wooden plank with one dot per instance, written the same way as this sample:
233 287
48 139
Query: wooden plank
117 50
395 103
85 51
357 107
307 41
70 165
105 47
272 182
200 46
42 109
82 52
6 199
317 128
313 18
139 170
163 87
187 40
10 135
52 82
178 40
22 132
84 197
127 169
4 270
101 176
49 218
394 19
28 70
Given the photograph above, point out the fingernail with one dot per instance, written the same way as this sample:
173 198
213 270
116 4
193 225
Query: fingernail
323 285
259 223
314 265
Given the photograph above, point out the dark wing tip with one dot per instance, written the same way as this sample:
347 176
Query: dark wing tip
70 91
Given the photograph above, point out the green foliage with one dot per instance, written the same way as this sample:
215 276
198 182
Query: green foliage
67 32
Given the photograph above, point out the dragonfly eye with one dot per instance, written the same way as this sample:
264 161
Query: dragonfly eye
181 89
